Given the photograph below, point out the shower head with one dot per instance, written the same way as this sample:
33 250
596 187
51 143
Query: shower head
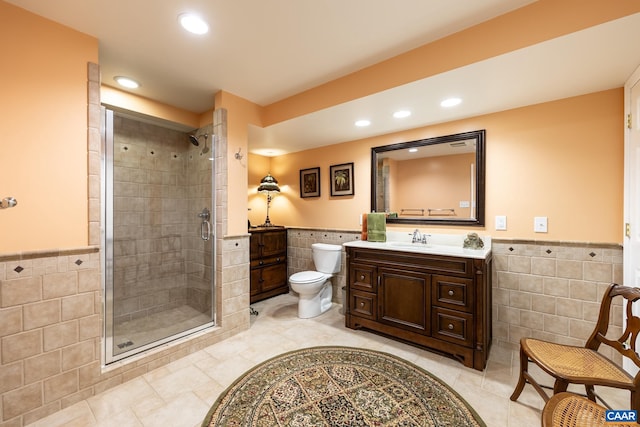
194 140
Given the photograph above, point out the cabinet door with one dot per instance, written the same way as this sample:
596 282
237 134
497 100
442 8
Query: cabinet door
274 276
256 281
404 299
274 242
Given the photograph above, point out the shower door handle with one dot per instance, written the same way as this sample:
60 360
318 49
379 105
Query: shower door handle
205 230
205 225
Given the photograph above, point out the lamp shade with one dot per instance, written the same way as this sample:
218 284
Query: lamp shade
268 184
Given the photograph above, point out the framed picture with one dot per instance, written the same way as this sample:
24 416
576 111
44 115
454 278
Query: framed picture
341 179
310 182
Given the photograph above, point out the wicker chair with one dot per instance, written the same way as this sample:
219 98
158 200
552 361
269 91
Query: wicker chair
570 410
585 365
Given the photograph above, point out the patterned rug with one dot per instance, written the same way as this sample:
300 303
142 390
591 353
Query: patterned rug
339 386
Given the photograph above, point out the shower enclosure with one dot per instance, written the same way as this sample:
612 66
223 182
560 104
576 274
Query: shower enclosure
158 247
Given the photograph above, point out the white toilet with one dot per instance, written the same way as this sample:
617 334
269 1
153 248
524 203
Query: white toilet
314 287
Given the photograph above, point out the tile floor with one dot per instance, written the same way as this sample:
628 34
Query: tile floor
180 394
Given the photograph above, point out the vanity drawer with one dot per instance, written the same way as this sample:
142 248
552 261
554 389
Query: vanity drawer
455 293
452 326
268 261
363 304
363 276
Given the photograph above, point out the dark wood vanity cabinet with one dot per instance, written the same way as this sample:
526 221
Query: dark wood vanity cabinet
268 249
439 302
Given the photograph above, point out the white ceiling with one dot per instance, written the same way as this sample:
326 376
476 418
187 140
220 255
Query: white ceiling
265 51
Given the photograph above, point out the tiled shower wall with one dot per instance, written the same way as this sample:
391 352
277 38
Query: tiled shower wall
161 183
547 290
51 305
150 216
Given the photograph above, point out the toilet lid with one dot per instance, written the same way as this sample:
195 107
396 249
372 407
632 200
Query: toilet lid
307 276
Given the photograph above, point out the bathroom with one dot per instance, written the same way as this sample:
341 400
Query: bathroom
530 154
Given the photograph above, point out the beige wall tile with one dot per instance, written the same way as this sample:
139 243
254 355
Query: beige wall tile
60 284
41 314
556 286
10 376
22 400
60 335
543 266
60 386
76 306
569 308
520 264
530 283
598 272
42 366
543 304
556 325
21 346
585 291
77 355
20 291
10 321
570 269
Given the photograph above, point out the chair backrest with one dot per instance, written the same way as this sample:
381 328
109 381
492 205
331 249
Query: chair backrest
626 343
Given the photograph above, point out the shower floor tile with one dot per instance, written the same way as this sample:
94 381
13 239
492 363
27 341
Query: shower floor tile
136 333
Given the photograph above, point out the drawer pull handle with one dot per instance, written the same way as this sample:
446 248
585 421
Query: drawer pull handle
277 259
451 293
450 326
361 304
362 277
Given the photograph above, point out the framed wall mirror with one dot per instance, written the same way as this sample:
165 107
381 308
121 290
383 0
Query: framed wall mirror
439 181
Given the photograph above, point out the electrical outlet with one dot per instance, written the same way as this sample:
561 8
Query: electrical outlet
501 222
540 224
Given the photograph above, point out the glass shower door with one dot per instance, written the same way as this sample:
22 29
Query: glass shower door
159 249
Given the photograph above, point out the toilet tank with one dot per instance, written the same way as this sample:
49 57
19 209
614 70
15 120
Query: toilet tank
326 257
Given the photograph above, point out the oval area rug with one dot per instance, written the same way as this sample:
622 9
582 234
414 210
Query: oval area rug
339 386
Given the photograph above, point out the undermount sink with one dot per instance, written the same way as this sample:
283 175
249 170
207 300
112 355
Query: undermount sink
409 245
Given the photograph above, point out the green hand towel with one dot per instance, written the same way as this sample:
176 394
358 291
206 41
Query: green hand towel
376 227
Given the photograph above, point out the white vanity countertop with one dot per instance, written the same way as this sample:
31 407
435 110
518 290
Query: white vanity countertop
437 244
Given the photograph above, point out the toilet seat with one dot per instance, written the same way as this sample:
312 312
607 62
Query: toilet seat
307 277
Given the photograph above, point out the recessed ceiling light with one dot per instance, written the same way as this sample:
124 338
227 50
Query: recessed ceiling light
401 114
126 82
363 123
413 150
193 23
450 102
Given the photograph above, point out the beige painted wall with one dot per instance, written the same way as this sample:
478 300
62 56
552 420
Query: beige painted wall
43 132
561 159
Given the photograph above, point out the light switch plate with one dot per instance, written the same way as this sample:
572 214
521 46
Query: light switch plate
501 222
540 224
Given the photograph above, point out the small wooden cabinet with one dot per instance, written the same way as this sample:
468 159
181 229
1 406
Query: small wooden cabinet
268 249
439 302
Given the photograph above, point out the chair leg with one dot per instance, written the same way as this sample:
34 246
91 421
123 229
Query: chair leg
591 395
635 402
524 366
559 386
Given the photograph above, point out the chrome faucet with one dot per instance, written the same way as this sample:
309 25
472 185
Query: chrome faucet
418 237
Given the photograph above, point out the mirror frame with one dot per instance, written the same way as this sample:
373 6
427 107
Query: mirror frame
478 136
